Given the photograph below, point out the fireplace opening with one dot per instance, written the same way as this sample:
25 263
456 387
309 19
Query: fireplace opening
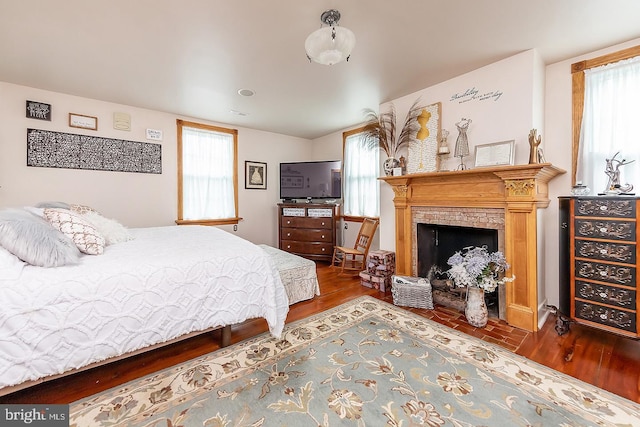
436 243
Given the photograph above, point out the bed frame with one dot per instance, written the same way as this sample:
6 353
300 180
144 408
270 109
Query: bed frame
225 340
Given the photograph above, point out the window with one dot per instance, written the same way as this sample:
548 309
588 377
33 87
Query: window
361 170
605 107
207 174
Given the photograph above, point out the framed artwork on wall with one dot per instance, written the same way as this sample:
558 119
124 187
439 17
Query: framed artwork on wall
83 122
423 150
255 175
38 110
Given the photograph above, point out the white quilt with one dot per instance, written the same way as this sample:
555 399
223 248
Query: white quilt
167 282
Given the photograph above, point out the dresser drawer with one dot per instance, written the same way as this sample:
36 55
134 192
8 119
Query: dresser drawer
306 222
617 208
607 316
605 229
606 251
307 235
620 275
609 295
307 248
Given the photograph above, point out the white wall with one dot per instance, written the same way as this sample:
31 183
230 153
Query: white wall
135 199
505 112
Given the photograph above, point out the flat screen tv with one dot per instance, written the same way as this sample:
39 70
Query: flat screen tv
311 180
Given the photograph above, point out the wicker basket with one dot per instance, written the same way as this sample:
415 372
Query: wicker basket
407 292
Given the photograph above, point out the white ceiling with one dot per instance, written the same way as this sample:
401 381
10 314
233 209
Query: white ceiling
191 57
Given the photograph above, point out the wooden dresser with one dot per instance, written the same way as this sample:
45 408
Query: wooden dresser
598 262
308 229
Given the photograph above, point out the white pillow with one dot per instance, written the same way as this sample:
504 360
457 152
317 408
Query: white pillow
33 240
112 230
82 233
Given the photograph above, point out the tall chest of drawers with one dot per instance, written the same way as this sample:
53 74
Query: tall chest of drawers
308 229
600 238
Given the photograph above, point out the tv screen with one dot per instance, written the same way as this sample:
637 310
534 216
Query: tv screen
311 180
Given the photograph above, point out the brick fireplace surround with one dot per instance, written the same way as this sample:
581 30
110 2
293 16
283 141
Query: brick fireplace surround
505 198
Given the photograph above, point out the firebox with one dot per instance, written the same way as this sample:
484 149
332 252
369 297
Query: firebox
436 243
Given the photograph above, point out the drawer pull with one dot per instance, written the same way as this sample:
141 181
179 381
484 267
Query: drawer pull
603 273
603 295
603 208
323 249
288 246
603 251
288 234
288 222
603 316
322 236
603 230
323 223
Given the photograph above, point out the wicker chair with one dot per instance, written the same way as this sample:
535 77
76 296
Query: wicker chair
353 259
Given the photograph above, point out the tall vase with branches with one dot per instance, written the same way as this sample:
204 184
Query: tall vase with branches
380 131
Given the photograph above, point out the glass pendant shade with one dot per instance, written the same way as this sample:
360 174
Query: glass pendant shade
332 44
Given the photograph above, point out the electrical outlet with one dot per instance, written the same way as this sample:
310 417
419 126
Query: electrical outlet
346 226
235 227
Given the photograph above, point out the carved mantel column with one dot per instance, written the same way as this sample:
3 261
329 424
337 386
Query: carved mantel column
520 190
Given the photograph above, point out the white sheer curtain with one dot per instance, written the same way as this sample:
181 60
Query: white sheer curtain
207 174
611 108
361 186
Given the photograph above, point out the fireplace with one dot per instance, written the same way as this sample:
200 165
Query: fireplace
505 199
452 232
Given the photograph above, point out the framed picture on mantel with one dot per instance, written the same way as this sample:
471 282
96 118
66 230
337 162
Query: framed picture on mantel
495 154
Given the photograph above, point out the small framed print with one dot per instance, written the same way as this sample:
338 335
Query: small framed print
495 154
38 110
122 121
255 175
154 134
83 122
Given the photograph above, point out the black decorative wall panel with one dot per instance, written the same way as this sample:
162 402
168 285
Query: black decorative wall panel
51 149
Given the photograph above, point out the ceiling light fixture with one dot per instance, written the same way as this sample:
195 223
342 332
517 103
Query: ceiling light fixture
246 92
331 44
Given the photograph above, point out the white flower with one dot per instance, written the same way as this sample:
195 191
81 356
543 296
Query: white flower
476 267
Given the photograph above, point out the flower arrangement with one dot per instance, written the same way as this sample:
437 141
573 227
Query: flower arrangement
476 267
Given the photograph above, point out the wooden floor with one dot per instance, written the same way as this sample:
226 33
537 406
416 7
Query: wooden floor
608 361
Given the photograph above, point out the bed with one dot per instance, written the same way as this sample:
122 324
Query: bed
298 274
156 286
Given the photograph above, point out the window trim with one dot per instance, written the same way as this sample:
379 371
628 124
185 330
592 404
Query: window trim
577 77
221 221
345 135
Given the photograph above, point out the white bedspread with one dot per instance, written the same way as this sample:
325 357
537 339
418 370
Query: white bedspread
167 282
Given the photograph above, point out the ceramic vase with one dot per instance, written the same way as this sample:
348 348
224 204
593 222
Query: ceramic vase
389 164
476 310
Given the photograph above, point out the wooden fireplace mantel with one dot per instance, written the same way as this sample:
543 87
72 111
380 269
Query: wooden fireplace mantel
520 190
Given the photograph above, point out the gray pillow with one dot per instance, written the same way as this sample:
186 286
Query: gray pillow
60 205
34 240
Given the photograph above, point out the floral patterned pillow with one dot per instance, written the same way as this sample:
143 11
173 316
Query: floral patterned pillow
81 209
82 232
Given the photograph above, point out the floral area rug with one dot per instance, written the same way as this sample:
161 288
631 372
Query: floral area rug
364 363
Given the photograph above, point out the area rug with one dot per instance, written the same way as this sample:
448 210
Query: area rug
364 363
